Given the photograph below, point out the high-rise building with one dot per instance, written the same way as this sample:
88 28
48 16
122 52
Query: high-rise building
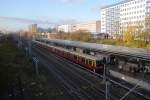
117 17
33 28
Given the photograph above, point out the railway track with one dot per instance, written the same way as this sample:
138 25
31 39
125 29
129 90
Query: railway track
97 91
93 82
60 78
73 83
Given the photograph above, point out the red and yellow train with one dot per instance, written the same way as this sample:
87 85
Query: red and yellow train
88 61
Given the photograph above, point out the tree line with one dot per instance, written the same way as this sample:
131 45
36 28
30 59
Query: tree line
75 36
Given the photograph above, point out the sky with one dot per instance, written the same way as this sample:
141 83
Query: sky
52 11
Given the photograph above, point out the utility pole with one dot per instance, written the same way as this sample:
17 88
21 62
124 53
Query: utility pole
107 90
18 40
104 71
36 61
26 50
29 46
106 82
104 74
20 87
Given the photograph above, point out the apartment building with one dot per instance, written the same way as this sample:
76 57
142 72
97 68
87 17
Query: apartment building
117 17
90 26
33 28
66 28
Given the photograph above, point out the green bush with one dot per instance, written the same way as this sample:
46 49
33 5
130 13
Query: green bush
148 45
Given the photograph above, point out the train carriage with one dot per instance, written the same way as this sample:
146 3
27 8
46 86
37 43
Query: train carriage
91 62
87 61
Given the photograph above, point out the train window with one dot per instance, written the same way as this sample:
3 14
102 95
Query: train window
80 59
87 61
77 57
64 53
90 62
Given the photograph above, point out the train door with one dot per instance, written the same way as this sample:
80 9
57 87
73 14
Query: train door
79 59
87 62
75 58
71 56
90 63
94 64
99 66
83 60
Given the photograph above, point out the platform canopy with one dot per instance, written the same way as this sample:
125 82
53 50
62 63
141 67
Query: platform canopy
117 50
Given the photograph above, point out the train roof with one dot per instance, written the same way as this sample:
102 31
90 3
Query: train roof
121 50
75 53
79 54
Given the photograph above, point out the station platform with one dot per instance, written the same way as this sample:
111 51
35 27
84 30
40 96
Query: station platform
143 80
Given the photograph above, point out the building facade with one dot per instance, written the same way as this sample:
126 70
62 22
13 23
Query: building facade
117 17
91 26
33 28
66 28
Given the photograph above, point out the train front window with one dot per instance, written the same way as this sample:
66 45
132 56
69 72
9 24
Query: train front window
98 63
